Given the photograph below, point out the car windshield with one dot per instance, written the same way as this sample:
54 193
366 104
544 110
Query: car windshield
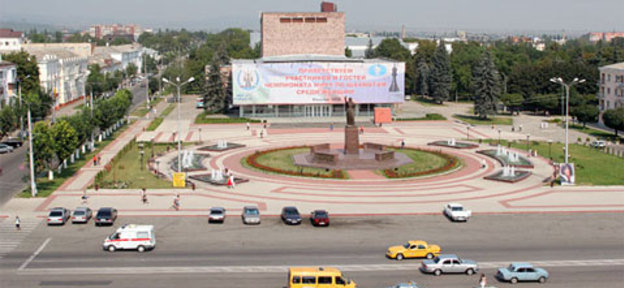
436 259
321 214
457 208
252 212
104 213
511 267
79 213
406 245
56 213
216 212
291 212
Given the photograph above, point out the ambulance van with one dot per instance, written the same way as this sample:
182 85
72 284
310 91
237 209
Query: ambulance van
131 236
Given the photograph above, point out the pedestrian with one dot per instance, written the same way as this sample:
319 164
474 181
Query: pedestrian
17 223
331 127
361 129
483 281
247 126
402 143
262 133
230 182
94 160
84 197
176 202
520 128
99 159
144 196
552 183
483 164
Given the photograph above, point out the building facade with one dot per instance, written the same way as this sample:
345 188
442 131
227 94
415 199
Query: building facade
321 33
102 31
611 87
80 49
604 36
10 40
8 77
124 54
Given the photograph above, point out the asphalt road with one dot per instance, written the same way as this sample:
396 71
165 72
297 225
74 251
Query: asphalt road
14 169
579 250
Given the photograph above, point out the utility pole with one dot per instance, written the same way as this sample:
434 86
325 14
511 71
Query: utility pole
21 120
33 185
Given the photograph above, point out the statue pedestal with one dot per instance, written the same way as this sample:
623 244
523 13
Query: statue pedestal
352 141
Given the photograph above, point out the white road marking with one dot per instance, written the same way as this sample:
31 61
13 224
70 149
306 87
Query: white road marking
10 237
283 269
32 257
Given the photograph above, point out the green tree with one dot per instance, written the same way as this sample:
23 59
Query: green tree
369 52
392 48
614 119
440 85
487 88
585 113
65 139
43 144
27 70
423 79
8 120
131 70
348 52
96 81
215 95
512 101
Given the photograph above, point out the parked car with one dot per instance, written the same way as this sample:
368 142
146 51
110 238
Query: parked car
598 144
449 263
13 142
413 249
217 214
410 284
4 148
319 218
456 212
519 271
106 215
131 236
81 215
290 215
58 215
251 215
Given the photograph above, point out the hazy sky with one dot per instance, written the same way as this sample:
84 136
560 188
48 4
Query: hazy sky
416 15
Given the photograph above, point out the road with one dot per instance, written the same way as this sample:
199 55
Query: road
14 178
579 250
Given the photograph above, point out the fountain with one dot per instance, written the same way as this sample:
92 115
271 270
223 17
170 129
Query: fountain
216 177
221 145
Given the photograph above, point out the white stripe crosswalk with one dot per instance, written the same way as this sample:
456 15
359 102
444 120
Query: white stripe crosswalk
10 237
282 269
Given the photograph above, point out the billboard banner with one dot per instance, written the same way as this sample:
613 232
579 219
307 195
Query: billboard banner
318 83
566 174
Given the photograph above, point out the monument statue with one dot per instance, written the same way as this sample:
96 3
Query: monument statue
350 105
394 87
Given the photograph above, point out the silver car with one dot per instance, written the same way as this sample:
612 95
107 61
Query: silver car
81 215
449 263
58 215
251 215
4 148
217 214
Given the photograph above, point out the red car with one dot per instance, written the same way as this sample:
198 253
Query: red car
319 218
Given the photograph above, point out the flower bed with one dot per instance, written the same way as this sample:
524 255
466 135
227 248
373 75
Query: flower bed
252 160
451 162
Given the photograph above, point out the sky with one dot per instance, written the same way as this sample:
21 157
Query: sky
361 15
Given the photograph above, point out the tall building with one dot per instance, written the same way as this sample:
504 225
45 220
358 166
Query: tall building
8 77
604 36
115 30
611 87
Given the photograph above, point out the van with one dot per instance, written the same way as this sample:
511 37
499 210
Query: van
199 103
131 236
317 277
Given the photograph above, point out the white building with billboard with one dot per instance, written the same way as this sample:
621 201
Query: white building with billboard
315 85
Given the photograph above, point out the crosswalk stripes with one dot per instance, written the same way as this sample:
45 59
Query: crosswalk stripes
10 237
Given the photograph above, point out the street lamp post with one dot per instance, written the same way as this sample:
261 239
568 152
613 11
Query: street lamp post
33 185
549 149
528 141
468 132
499 136
179 84
566 87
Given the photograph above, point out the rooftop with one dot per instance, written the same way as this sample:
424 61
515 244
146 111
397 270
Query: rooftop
10 33
614 66
309 58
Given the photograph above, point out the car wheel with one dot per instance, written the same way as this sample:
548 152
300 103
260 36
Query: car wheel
542 279
141 249
513 280
111 248
399 257
429 256
437 272
469 272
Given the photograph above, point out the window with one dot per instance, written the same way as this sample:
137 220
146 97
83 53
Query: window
325 280
296 280
413 247
284 20
608 77
142 235
297 20
446 262
321 20
608 91
310 19
421 246
530 270
308 280
455 262
340 281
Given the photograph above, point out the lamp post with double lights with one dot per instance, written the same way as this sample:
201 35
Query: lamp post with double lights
566 87
468 132
19 95
178 84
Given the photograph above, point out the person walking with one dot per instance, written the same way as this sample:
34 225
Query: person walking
17 223
84 197
402 144
361 129
331 126
176 202
94 160
99 159
483 281
144 196
230 182
247 126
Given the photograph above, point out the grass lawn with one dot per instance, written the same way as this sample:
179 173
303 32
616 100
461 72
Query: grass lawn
127 170
475 120
426 101
45 187
202 119
428 117
141 110
594 132
158 120
423 161
592 166
282 159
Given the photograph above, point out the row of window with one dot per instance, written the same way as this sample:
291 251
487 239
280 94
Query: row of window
618 79
303 19
313 279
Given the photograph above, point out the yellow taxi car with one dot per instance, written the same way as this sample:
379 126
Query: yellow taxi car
414 249
318 277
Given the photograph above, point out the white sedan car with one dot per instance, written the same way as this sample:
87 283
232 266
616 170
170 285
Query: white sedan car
457 212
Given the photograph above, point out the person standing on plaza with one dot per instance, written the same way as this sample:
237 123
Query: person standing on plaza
483 281
361 130
94 160
18 222
331 126
402 144
84 197
247 126
144 196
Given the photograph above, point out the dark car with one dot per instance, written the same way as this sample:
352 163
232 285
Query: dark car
290 215
13 142
105 215
319 218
